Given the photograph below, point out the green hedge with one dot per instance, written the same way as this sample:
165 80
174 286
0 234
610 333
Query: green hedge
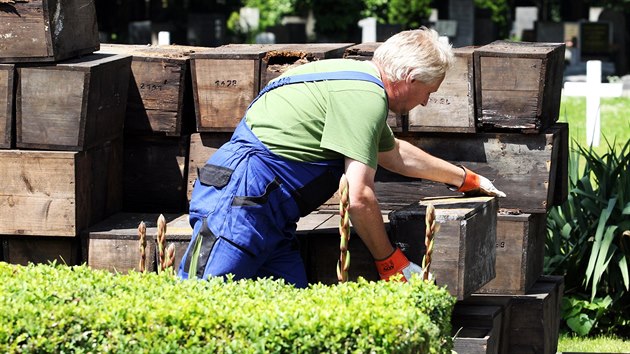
55 309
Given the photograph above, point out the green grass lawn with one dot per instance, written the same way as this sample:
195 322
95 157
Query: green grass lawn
614 124
593 345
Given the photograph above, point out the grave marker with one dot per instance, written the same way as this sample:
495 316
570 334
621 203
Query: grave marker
593 89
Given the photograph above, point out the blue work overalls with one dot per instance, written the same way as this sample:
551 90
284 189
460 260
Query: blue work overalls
247 200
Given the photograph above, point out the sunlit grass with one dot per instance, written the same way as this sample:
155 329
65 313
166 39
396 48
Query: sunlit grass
593 345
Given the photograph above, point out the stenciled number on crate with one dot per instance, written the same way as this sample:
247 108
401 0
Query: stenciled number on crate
152 87
225 83
500 244
441 100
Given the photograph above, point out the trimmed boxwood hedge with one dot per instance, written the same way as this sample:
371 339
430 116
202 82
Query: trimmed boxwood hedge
61 309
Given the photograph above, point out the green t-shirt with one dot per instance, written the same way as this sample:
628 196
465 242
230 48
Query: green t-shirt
325 120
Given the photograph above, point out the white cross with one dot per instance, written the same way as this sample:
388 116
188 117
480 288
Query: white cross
593 89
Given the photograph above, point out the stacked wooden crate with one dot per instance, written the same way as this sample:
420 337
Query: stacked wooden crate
61 129
496 114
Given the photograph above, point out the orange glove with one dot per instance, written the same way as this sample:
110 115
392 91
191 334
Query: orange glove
477 184
397 263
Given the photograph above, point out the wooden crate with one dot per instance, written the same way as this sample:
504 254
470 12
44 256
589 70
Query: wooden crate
530 168
113 244
520 250
475 340
160 92
518 85
365 51
452 107
286 56
202 146
534 318
59 193
464 247
7 89
504 303
40 250
43 30
318 235
476 328
225 80
154 174
74 105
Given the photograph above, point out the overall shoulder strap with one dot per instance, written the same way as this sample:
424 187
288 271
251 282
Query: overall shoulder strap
332 75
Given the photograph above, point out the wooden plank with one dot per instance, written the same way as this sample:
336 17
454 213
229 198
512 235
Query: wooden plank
7 89
504 303
40 250
46 30
113 244
154 174
520 250
160 92
477 328
86 108
464 247
518 85
452 107
202 146
57 193
529 168
365 51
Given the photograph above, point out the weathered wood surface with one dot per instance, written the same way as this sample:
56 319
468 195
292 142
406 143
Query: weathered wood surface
113 244
505 304
46 30
202 146
160 92
520 250
518 85
475 340
534 317
487 322
365 51
225 80
85 108
58 193
464 247
7 90
40 250
452 107
155 174
529 168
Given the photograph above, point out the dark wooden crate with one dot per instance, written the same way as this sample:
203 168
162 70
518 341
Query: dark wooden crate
530 168
113 244
475 340
520 250
45 30
7 90
518 85
318 235
365 51
160 92
534 318
225 80
476 328
202 146
286 56
40 250
59 193
452 107
73 105
464 247
504 303
155 173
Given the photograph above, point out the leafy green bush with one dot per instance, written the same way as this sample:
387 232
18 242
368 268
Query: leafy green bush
588 242
54 309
